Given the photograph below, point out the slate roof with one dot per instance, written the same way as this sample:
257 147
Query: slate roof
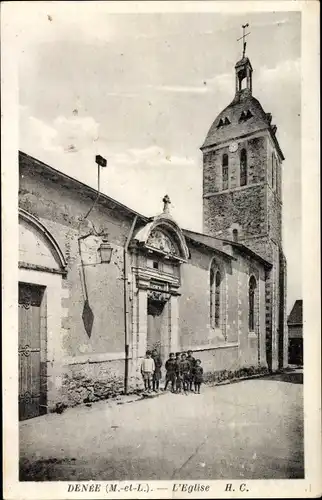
244 249
296 314
219 244
207 241
233 123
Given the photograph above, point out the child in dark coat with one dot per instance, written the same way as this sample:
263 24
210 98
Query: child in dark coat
157 370
177 372
192 361
170 377
198 375
184 370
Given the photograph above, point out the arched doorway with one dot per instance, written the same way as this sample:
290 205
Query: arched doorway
41 266
159 249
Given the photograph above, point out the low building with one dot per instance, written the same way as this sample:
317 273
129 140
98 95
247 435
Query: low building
295 334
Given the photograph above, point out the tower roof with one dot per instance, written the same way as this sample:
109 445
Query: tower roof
296 315
243 102
244 115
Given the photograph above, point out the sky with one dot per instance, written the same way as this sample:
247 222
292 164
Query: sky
143 89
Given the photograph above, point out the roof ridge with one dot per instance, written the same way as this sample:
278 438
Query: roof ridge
87 186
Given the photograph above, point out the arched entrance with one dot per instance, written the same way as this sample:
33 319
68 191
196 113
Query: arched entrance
158 250
41 266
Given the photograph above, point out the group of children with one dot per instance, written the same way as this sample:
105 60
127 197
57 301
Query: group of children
182 372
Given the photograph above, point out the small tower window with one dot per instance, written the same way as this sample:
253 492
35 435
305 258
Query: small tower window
222 122
251 301
235 235
242 116
246 115
225 171
243 167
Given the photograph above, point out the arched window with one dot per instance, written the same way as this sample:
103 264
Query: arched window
212 302
235 235
215 289
225 171
251 299
217 299
243 167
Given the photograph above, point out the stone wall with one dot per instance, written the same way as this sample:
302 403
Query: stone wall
256 148
274 216
245 206
90 382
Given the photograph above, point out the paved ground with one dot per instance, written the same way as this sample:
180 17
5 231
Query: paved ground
247 430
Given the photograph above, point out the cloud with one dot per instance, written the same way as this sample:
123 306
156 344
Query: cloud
35 132
289 70
63 134
76 133
152 156
277 22
286 70
217 83
181 89
221 82
121 94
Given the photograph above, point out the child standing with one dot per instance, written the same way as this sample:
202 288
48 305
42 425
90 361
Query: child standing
147 370
157 370
192 361
177 372
170 377
184 371
198 375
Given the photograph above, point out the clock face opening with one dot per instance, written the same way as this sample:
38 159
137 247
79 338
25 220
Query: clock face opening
233 147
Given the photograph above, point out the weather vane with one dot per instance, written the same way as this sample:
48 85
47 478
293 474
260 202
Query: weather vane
244 26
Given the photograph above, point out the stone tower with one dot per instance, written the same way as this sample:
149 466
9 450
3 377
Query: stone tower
242 197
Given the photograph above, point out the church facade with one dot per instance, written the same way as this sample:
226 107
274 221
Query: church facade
100 283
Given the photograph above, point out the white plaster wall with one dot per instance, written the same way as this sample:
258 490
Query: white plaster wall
33 248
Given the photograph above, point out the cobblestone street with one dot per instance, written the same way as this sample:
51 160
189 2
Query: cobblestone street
247 430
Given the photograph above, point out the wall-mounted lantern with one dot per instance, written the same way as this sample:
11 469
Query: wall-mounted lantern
105 251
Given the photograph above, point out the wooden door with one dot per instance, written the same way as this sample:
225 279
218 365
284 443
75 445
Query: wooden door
32 351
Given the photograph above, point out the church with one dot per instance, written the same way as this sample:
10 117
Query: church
100 283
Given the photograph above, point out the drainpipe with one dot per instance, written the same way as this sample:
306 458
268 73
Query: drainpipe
125 281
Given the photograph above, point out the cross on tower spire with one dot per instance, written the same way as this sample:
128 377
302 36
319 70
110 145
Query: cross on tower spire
244 26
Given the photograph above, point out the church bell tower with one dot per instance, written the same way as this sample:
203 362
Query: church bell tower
242 191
